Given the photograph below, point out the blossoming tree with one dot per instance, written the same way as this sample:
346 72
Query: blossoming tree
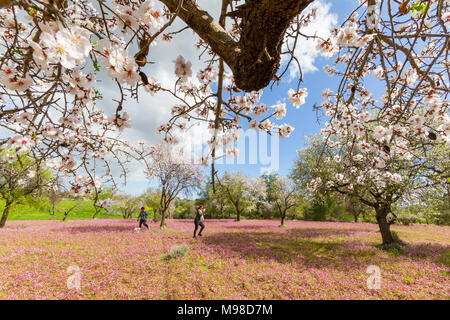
242 192
53 50
174 173
20 176
284 195
385 144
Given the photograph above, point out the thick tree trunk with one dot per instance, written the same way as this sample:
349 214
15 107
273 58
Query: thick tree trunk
355 217
255 58
238 215
386 235
5 214
163 224
6 3
264 23
282 216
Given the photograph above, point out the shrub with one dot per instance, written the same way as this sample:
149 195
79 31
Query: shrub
175 252
407 219
443 218
316 212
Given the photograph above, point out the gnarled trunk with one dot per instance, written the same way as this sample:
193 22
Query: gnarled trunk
255 58
238 214
283 217
5 214
381 213
163 224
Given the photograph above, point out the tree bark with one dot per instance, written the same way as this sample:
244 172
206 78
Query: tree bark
5 214
255 58
238 215
282 219
355 217
163 224
386 235
6 3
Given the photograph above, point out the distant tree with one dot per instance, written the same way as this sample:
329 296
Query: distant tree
218 202
128 205
327 206
152 200
242 192
174 174
54 197
20 175
214 199
103 199
70 209
324 205
355 207
184 208
361 174
284 194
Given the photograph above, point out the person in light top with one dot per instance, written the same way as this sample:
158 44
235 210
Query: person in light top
198 221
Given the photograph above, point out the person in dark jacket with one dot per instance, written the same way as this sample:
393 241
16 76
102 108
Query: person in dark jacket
143 215
198 220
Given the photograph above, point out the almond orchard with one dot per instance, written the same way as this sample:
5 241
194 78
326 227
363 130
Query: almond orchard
384 141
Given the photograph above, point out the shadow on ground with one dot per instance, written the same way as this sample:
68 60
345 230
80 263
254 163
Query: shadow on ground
106 228
302 247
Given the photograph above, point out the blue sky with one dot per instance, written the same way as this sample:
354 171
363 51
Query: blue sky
304 119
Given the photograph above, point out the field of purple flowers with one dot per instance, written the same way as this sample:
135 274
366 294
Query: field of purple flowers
233 260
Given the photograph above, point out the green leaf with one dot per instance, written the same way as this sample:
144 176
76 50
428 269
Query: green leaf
418 7
96 67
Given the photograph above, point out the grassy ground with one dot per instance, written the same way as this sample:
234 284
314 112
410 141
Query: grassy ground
251 259
84 210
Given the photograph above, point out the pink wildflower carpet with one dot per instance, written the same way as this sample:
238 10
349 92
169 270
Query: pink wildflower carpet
233 260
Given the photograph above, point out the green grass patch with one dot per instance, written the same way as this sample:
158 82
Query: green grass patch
445 259
84 210
175 253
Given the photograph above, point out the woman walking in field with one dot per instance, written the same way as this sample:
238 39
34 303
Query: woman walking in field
198 221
